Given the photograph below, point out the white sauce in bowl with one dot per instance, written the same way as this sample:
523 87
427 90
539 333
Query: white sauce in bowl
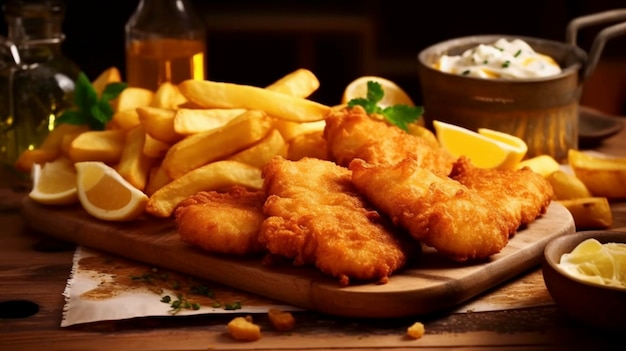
602 264
503 59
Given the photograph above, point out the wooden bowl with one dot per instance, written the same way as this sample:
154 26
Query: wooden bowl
593 304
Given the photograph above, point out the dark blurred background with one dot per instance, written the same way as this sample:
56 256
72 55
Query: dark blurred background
256 42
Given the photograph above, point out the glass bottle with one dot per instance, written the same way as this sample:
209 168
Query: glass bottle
165 42
36 79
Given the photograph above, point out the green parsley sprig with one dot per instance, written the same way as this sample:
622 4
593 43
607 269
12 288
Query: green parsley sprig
400 115
88 108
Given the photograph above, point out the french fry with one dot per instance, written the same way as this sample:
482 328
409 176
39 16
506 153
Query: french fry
125 119
155 148
209 94
199 149
134 165
603 176
110 75
157 179
589 212
290 129
131 98
28 158
54 139
259 154
159 123
301 83
101 145
168 95
50 148
213 176
66 142
190 121
308 145
567 186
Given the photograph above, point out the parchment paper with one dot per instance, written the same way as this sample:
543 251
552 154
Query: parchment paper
106 287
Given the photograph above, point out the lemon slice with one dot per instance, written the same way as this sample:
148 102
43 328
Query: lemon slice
106 195
394 94
54 183
487 149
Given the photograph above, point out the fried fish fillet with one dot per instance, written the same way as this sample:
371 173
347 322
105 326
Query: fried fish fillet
351 133
222 222
316 217
438 211
522 195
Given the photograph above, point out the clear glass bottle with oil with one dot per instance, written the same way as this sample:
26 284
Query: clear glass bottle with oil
165 42
36 79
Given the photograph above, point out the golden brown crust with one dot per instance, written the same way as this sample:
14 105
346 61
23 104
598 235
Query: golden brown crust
222 222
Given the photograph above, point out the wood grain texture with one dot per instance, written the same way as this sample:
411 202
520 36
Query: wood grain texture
432 284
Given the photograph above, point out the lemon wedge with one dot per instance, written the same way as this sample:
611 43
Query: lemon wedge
486 148
106 195
394 94
54 183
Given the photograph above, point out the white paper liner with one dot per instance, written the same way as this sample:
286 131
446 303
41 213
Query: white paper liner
128 304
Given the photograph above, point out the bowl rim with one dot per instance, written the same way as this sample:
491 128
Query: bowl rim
488 38
570 241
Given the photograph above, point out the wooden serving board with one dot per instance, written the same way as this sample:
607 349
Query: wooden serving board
432 284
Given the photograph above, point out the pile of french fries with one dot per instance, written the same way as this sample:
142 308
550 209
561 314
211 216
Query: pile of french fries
198 135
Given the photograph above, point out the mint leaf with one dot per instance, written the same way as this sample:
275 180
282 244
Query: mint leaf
399 115
112 90
88 109
70 117
369 106
375 91
84 94
402 115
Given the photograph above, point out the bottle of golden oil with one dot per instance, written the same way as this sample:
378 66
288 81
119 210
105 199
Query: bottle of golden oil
36 80
165 42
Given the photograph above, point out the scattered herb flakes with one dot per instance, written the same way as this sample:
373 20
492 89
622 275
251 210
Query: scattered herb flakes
184 299
506 64
233 306
518 53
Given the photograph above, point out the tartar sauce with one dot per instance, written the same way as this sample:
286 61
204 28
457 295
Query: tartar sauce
503 59
603 264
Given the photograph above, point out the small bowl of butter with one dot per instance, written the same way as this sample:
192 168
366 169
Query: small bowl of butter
585 273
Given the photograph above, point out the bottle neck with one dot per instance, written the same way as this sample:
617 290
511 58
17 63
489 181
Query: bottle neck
35 28
165 18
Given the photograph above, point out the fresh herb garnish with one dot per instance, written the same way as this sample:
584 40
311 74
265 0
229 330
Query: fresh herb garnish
518 53
89 109
400 115
506 64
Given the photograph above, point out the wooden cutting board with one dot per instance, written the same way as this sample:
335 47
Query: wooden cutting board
432 284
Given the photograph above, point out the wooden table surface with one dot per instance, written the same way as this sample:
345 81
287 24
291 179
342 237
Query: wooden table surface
34 269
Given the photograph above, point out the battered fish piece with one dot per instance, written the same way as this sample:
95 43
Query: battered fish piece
316 217
350 133
222 222
522 195
437 211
